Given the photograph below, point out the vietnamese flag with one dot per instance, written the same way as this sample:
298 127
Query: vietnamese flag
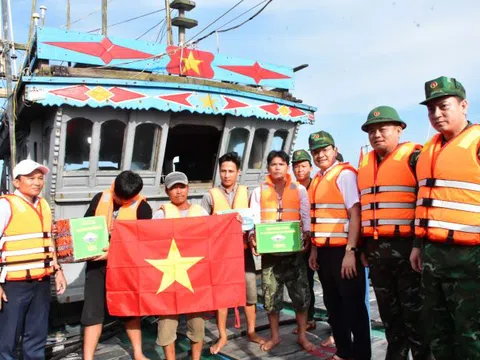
175 266
190 62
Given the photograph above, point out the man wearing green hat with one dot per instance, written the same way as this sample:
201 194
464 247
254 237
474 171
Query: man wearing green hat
302 168
387 184
447 224
335 216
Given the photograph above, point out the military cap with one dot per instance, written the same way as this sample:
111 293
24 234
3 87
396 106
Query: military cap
301 155
383 114
443 86
320 139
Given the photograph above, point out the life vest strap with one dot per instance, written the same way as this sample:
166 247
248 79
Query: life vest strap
279 210
388 188
27 266
315 234
41 235
428 223
316 206
431 182
379 222
38 250
316 220
428 202
388 205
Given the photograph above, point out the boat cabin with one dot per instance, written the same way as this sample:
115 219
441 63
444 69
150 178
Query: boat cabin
89 107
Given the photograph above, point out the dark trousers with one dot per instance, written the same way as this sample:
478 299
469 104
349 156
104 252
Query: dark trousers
345 302
25 314
399 297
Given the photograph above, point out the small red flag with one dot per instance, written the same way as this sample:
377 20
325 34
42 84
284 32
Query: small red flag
175 266
190 62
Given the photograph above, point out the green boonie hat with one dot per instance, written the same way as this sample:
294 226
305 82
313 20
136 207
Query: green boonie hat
383 114
443 86
301 155
320 139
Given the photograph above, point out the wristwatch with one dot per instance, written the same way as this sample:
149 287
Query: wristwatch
351 248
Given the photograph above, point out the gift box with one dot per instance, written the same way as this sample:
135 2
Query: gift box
80 239
278 237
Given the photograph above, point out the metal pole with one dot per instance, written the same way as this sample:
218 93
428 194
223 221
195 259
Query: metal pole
169 23
32 27
104 17
181 29
9 75
68 14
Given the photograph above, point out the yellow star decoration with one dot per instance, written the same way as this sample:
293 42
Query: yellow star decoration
175 268
190 63
208 101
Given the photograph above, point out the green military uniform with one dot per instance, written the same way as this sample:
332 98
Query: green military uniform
451 276
299 156
397 286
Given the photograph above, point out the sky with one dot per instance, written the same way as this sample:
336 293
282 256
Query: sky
361 53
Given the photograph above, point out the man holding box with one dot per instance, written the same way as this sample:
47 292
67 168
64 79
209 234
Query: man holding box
280 199
28 260
231 195
335 232
122 202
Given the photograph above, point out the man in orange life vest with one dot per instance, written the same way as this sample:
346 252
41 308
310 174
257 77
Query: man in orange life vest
28 260
231 195
335 231
176 187
281 199
122 202
447 224
387 184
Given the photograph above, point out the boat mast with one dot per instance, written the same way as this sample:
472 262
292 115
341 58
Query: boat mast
8 77
169 23
104 17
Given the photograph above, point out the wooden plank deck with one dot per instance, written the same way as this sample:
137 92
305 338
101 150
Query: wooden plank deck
118 347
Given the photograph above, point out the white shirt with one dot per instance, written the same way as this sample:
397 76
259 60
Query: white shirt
304 206
347 183
6 212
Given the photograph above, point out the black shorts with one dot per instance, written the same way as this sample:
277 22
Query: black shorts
95 305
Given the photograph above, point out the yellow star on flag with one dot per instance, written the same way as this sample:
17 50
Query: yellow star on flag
208 101
174 268
190 63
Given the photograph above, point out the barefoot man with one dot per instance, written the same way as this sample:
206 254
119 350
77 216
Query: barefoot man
281 199
231 195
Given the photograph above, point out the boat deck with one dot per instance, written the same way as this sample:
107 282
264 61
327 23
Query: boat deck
66 343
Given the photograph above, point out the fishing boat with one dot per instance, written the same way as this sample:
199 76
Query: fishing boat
90 106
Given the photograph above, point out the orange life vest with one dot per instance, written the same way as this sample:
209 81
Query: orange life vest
388 193
125 212
328 212
220 203
26 245
172 212
272 208
448 205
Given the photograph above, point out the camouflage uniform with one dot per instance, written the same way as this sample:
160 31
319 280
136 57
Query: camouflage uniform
451 277
399 297
397 286
289 270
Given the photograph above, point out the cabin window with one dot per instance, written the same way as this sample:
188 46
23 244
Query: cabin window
279 139
238 141
258 149
77 146
192 149
145 147
111 145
